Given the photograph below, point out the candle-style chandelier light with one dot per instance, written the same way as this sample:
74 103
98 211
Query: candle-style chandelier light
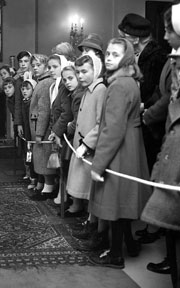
76 31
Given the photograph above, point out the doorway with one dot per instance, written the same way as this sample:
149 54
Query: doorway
154 11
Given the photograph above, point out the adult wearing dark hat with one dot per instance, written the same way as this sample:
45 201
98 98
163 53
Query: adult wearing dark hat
151 59
92 41
172 262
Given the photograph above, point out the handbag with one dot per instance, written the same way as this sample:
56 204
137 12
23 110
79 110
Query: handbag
29 154
54 160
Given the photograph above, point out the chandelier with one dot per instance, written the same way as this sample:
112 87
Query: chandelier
77 31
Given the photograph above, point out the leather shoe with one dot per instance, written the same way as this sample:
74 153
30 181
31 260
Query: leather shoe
86 232
42 196
162 267
107 260
142 232
69 214
133 248
149 238
98 242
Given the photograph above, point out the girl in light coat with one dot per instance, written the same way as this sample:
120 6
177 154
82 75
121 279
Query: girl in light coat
89 68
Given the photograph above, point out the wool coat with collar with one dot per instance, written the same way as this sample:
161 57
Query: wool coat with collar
120 148
39 114
87 128
61 115
163 208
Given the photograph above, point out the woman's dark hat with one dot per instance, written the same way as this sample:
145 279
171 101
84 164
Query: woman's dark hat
93 41
135 25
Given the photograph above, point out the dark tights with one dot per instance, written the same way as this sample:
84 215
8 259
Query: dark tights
120 229
173 255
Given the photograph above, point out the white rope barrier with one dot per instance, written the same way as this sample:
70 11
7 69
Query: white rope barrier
146 182
34 142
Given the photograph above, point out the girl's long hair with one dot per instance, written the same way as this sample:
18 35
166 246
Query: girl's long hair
129 58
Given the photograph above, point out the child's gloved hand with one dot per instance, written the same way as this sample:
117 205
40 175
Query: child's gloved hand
80 151
38 139
51 136
20 130
58 141
96 177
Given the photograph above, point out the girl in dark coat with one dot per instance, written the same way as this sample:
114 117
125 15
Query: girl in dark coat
27 89
71 82
120 148
39 114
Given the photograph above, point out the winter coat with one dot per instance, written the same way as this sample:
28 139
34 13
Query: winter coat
120 148
76 97
156 115
87 128
163 208
39 124
11 105
25 118
18 102
61 115
61 112
150 62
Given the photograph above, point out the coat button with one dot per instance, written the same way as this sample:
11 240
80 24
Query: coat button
166 157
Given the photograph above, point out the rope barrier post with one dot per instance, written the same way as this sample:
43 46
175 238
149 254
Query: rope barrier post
61 186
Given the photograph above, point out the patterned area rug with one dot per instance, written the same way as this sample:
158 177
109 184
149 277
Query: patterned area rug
31 234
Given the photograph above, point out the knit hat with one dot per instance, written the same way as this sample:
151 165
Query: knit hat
32 82
135 25
93 41
175 18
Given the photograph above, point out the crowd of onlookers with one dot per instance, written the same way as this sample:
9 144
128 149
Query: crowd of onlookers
119 107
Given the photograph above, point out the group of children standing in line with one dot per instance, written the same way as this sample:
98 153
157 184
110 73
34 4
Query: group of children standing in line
96 102
73 98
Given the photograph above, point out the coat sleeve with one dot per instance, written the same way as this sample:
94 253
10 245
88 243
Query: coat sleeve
65 115
158 112
90 140
43 110
76 103
18 104
114 130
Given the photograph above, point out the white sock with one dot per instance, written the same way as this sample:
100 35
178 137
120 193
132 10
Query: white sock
47 188
57 200
39 186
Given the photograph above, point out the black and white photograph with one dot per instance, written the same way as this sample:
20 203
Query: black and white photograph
89 144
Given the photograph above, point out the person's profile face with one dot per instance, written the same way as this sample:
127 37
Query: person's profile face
171 37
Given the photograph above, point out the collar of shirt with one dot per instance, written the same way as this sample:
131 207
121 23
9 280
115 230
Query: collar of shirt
94 84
